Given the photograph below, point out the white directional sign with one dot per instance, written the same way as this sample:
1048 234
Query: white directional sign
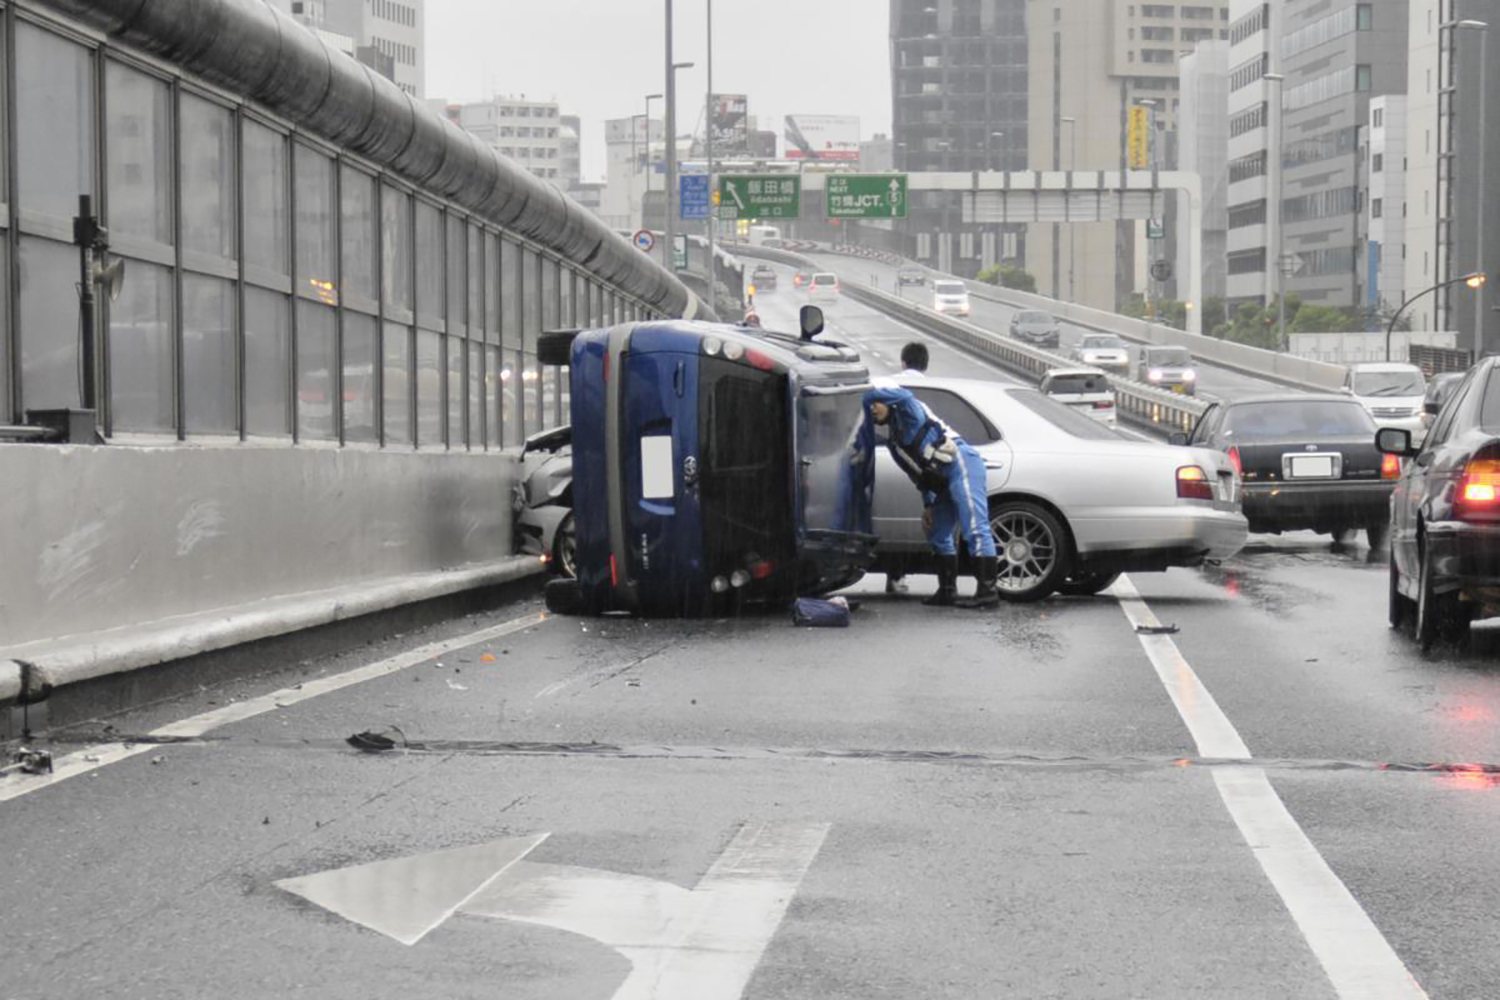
698 944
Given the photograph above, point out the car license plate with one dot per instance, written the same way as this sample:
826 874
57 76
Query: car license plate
1312 466
1180 388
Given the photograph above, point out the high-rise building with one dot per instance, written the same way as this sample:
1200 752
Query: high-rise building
570 134
1445 192
1335 60
387 35
1203 148
632 145
1385 205
1251 228
1089 62
959 84
529 132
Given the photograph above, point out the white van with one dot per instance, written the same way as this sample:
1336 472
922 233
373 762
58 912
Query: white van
765 236
950 297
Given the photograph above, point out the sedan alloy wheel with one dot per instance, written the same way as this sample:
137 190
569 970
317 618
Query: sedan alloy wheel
1032 547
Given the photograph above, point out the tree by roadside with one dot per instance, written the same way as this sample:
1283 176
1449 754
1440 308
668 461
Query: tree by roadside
1009 276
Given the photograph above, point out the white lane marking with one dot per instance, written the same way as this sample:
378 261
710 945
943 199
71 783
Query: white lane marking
1359 961
92 758
407 898
702 944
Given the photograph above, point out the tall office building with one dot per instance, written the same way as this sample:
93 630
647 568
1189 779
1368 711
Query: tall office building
1335 59
1251 226
1445 191
959 83
1090 61
387 35
529 132
570 172
1203 148
1385 205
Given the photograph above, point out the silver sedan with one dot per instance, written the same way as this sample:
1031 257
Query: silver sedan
1073 504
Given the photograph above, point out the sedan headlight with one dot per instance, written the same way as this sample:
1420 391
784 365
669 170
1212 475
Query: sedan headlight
1189 375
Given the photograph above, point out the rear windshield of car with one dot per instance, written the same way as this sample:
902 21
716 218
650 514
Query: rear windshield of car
825 279
1169 356
1389 384
1030 316
1102 343
1292 418
1065 418
949 288
1074 384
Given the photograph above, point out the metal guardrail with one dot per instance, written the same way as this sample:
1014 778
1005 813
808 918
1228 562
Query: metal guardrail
1154 409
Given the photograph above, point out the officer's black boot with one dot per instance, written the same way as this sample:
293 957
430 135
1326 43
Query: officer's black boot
947 592
985 594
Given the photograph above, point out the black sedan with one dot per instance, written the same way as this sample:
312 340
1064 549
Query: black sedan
1307 463
1445 513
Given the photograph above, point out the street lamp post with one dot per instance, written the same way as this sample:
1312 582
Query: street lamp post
1150 104
1478 131
1072 124
708 157
1475 281
999 164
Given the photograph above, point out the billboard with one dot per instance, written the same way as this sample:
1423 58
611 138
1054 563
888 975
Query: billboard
822 137
1139 145
730 120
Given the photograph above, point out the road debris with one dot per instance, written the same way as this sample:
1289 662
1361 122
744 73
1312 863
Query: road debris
1156 630
371 741
808 612
454 685
29 761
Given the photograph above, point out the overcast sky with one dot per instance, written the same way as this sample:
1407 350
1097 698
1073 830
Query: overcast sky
599 58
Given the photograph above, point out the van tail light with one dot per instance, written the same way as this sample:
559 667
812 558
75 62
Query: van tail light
614 572
1479 489
759 360
1390 467
1193 484
606 367
1234 460
1104 405
761 570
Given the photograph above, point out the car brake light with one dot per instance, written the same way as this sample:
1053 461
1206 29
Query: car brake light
1193 484
1234 460
1390 467
762 569
1480 487
1104 405
614 574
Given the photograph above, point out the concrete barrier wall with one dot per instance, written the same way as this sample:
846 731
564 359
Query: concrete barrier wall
97 538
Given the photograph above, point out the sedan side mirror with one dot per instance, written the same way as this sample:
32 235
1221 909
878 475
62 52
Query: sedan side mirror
812 322
1394 441
1177 438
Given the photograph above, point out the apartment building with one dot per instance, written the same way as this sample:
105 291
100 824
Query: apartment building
529 132
1251 228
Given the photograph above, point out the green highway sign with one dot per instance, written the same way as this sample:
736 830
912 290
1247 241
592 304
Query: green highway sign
865 196
760 196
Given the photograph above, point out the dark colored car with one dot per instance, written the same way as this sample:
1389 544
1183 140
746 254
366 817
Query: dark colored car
1168 368
712 465
1307 462
1445 513
910 274
1440 389
1037 328
763 278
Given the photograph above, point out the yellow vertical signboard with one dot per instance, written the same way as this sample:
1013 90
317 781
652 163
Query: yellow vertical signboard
1139 144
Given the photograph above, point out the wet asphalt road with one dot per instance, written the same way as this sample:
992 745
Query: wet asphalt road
1008 803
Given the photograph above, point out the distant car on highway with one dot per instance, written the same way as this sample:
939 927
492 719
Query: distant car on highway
824 287
1086 390
1392 392
1168 368
910 274
950 297
765 236
1072 503
1103 350
1445 514
1440 389
801 279
763 278
1037 328
1308 462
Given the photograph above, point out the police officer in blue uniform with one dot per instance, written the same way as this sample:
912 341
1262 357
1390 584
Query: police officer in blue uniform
950 474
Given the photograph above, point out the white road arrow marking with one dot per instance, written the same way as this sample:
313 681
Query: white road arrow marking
702 944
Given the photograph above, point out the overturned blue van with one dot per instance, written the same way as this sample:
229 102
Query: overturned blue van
712 465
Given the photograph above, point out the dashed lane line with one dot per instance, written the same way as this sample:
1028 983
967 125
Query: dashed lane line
92 758
1359 961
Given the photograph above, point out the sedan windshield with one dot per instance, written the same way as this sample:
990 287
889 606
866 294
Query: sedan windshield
1389 384
1170 356
1033 317
1291 418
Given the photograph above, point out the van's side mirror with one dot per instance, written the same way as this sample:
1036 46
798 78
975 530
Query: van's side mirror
1431 407
812 322
1177 438
1394 441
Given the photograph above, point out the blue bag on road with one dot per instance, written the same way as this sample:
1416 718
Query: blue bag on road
813 613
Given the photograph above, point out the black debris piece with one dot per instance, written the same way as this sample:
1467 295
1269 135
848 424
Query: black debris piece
1156 629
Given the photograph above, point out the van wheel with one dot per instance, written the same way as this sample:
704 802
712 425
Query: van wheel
555 347
1033 549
